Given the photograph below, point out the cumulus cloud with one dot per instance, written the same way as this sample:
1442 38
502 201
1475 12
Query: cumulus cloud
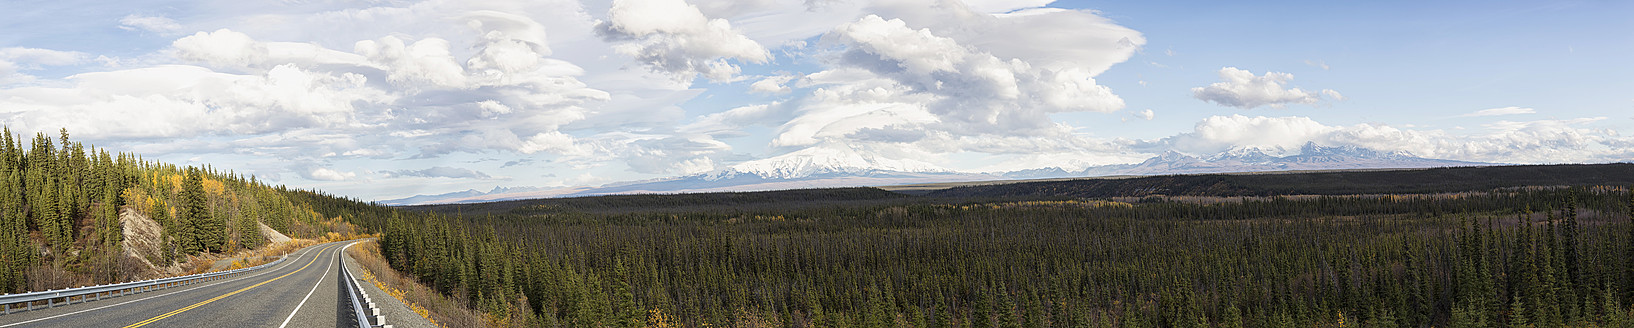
440 172
772 85
1145 114
1219 133
967 83
1542 141
1512 110
154 24
920 79
15 60
552 141
546 85
675 37
222 47
186 101
730 123
255 97
327 174
1241 89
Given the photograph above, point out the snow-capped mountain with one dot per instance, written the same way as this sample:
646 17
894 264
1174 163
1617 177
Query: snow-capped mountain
828 166
467 196
1309 157
823 160
840 166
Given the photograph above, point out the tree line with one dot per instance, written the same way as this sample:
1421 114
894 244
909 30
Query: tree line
62 202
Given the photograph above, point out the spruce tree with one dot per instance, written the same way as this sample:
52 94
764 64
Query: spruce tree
1628 252
193 216
248 231
626 314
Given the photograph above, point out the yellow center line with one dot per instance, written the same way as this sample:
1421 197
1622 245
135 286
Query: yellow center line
195 305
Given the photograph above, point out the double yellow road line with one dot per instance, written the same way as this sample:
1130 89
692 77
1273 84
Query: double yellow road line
217 298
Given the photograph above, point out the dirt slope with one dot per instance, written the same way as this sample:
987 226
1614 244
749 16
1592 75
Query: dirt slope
272 235
142 236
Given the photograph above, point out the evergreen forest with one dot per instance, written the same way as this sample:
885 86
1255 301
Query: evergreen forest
1558 256
66 209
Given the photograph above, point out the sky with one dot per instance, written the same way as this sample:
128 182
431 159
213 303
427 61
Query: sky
384 99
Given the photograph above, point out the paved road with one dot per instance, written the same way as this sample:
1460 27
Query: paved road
304 291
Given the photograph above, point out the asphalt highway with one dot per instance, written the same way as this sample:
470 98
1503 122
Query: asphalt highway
303 291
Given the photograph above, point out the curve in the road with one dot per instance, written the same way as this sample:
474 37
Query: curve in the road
258 307
308 294
208 301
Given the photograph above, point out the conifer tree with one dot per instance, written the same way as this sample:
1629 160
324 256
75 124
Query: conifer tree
193 216
626 314
1628 252
41 163
1232 318
248 232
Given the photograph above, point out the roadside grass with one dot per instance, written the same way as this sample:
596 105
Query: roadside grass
440 310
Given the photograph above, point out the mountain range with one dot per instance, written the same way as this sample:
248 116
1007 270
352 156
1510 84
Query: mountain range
829 167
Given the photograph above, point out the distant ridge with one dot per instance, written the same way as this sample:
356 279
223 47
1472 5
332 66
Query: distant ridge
1339 182
1401 181
838 166
1309 157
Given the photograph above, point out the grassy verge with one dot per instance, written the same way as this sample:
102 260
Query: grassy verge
440 310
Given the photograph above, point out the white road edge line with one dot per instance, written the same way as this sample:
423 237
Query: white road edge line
285 265
314 289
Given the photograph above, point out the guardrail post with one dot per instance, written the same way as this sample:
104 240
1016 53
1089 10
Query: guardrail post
98 292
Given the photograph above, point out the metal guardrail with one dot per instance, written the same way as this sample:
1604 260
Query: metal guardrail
92 293
353 290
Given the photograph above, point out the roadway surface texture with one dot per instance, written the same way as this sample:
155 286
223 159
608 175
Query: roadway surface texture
303 291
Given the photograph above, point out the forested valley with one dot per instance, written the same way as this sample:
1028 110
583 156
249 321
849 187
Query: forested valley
66 210
1458 248
1553 256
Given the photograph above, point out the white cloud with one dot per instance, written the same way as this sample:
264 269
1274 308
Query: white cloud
552 141
41 57
1542 141
675 37
1219 133
154 24
893 74
1501 111
730 122
606 89
326 174
1242 89
440 172
1004 6
15 60
492 108
185 101
221 48
911 82
425 62
258 90
772 84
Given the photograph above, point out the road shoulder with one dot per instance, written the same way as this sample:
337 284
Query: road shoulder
397 314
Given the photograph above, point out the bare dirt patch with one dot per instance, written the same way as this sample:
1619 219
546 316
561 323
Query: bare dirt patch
143 238
272 235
